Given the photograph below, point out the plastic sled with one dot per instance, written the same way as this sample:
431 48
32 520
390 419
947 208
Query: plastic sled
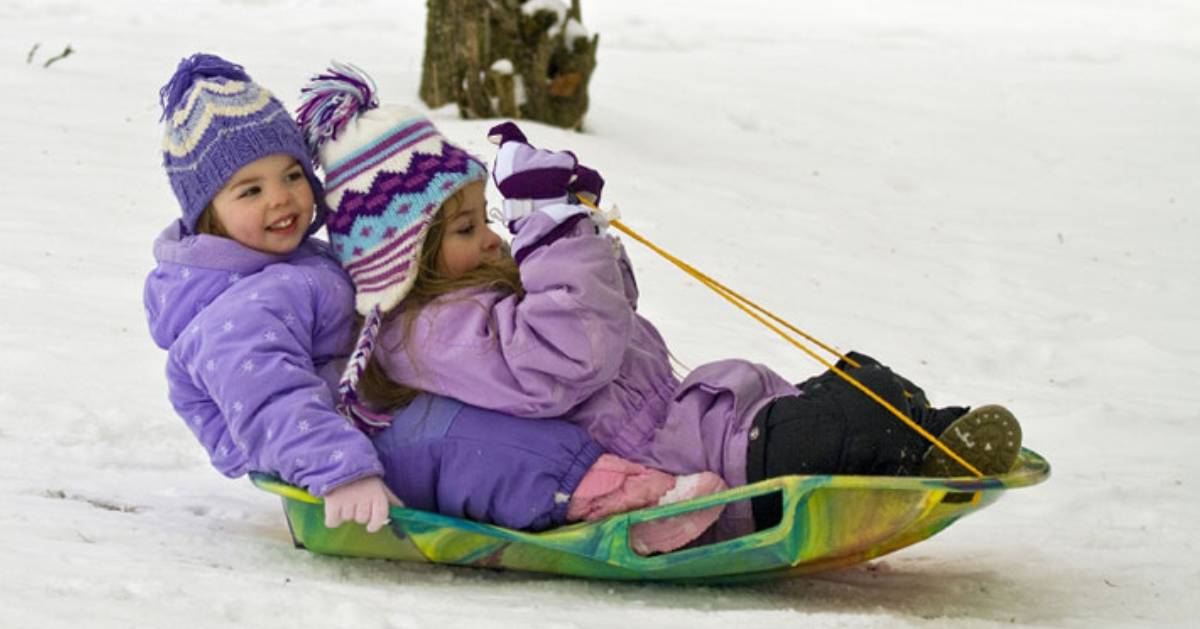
828 522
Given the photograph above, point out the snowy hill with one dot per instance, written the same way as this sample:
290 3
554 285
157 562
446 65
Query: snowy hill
997 198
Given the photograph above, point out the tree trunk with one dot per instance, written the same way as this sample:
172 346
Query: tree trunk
495 58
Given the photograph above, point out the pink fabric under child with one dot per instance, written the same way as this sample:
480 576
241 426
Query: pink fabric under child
615 485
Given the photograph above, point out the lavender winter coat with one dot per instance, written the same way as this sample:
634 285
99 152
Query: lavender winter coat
254 343
574 347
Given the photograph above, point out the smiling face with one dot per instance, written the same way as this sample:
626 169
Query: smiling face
267 205
467 241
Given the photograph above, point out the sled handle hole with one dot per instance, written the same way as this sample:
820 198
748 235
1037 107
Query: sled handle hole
959 497
700 547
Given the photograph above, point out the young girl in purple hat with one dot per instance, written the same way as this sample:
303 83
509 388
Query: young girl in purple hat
258 318
553 329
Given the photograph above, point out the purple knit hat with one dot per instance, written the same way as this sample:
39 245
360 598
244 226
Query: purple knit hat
217 121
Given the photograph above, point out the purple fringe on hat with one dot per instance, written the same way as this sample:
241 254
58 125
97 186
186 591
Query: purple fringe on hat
331 101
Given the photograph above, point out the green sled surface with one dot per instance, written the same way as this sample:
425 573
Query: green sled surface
828 522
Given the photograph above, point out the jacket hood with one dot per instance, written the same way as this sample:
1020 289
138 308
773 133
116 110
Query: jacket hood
193 271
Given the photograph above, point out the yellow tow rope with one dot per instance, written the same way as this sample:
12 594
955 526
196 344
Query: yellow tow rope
749 307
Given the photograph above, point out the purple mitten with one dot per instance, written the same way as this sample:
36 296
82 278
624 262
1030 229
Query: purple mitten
530 179
587 183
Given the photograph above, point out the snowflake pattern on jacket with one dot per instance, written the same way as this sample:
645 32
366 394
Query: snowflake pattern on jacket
255 343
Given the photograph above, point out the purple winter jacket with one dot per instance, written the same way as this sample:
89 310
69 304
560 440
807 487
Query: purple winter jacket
255 343
574 347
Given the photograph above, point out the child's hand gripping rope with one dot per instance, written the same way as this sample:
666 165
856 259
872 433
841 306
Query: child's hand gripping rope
585 183
533 179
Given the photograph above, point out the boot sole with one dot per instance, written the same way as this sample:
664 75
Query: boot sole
988 437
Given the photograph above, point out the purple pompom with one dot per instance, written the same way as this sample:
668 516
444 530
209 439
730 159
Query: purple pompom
196 66
332 100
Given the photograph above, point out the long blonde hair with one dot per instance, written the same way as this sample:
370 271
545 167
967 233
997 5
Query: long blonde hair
374 386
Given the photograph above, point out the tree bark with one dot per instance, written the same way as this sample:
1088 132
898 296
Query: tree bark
494 59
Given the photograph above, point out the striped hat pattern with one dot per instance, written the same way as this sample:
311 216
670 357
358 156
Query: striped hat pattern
217 121
387 171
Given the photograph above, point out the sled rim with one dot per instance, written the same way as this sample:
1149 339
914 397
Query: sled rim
1031 469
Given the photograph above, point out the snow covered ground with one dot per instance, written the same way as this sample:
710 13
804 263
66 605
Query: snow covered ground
997 197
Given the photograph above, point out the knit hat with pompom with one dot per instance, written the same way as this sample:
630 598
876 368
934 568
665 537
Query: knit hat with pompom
217 121
387 171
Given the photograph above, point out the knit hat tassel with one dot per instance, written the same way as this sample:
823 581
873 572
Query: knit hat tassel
331 101
194 67
363 418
